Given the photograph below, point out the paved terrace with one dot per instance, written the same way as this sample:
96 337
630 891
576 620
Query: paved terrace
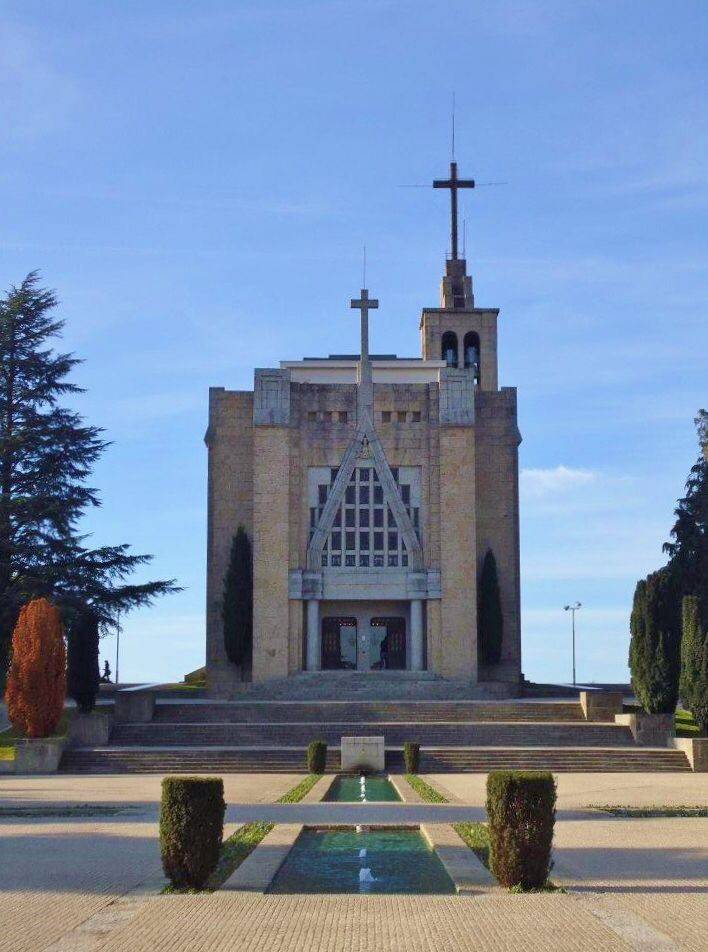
75 884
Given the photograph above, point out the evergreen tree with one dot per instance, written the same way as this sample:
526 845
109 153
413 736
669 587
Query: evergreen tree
490 621
694 662
46 456
688 550
83 677
638 651
36 682
237 605
655 648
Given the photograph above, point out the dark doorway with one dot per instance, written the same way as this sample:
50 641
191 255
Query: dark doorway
338 643
388 647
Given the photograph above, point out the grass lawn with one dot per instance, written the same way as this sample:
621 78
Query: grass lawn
651 811
242 843
474 835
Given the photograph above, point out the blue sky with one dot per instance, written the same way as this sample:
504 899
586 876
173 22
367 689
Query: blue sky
197 180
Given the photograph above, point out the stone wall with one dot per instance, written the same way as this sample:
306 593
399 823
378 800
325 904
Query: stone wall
229 440
271 506
435 322
458 640
497 479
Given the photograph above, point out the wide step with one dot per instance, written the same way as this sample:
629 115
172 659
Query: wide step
258 712
461 760
291 734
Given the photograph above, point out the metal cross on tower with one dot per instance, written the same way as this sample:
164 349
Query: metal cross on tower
453 183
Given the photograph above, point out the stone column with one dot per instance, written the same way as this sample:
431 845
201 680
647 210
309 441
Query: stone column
314 649
416 634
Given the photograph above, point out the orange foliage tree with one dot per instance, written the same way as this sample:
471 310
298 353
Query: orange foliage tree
36 682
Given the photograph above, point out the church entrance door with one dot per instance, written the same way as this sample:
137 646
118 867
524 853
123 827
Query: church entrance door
339 643
387 648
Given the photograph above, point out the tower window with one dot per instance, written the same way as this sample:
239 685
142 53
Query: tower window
458 295
385 416
472 350
449 348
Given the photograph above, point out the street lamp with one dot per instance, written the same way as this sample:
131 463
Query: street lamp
573 609
117 644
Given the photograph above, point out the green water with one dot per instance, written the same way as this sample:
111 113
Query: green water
374 789
375 861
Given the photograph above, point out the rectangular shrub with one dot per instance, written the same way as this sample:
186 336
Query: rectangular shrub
191 828
316 756
521 809
411 757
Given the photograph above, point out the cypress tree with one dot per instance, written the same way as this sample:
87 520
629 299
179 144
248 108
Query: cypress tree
83 677
655 648
46 455
237 605
694 662
490 621
638 650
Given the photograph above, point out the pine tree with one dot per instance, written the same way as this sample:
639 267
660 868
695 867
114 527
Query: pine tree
46 456
36 683
237 605
490 621
83 677
694 662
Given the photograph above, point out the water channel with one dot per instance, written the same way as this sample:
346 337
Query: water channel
362 859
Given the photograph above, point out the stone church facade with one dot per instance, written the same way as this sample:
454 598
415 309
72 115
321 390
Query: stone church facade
371 488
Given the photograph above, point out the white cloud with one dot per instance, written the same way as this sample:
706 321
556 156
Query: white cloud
536 483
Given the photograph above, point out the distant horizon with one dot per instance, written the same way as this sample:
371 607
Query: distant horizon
200 203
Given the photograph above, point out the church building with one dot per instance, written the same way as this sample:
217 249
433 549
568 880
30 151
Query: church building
372 487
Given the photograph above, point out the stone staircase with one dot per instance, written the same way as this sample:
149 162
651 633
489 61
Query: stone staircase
455 735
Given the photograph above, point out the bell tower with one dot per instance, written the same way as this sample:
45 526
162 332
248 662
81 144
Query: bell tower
462 335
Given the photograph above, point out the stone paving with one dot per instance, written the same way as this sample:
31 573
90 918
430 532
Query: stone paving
364 924
634 884
57 872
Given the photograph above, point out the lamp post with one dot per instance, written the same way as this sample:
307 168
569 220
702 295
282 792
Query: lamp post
117 644
573 609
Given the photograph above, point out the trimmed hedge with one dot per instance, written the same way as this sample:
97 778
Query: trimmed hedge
316 756
411 757
191 828
521 809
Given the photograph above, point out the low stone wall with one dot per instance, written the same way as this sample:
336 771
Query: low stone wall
134 706
601 705
38 756
367 753
696 749
89 730
649 730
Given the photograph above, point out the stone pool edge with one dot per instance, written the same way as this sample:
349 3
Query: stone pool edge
469 875
258 870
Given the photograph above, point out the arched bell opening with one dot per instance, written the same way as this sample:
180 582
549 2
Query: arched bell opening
448 348
471 349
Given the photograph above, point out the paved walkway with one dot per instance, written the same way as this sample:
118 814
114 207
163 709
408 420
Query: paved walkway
366 923
634 884
56 872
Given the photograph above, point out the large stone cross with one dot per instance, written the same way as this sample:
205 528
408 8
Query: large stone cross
453 183
363 304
